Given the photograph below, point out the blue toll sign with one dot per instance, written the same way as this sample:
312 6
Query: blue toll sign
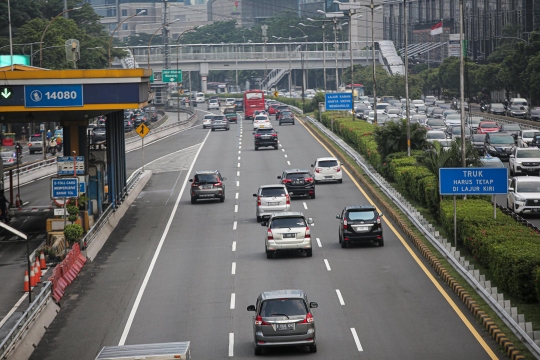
338 101
64 188
53 96
473 181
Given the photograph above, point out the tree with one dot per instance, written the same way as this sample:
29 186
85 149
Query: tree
392 137
438 157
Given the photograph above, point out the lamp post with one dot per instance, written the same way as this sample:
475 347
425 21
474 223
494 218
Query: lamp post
47 27
335 21
407 105
177 56
461 85
112 35
324 45
152 37
306 75
289 54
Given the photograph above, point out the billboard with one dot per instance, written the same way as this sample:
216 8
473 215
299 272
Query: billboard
453 45
5 60
329 5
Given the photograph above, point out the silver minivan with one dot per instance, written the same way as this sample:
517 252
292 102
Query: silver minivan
283 318
271 199
288 231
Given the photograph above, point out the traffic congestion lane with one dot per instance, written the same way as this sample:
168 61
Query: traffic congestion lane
386 295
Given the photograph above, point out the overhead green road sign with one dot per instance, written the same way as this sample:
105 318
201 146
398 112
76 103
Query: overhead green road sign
171 76
6 93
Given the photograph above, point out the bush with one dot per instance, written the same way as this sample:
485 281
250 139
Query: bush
73 233
510 250
73 212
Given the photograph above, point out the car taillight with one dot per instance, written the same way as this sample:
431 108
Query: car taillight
344 223
270 235
274 135
29 144
194 184
308 232
285 181
318 170
309 179
218 184
257 135
379 220
260 321
288 199
308 319
258 200
338 169
266 120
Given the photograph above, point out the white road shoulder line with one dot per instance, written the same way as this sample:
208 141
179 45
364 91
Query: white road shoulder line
327 265
158 250
356 339
233 268
233 299
231 344
340 297
319 242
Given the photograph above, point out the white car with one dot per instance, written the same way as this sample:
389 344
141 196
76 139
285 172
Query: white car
261 122
524 195
453 119
213 104
393 113
524 161
327 169
417 103
525 137
199 98
207 120
229 101
271 199
287 231
435 135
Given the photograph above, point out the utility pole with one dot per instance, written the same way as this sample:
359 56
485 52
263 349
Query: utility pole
407 105
263 31
335 52
461 85
165 33
66 14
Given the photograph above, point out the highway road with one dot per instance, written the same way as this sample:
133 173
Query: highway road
172 271
13 251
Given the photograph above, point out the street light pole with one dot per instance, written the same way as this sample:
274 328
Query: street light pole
112 35
45 31
372 6
152 37
407 79
177 90
461 85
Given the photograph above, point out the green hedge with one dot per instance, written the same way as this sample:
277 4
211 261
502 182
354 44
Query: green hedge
510 250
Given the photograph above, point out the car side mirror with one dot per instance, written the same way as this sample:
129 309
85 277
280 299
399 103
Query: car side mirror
263 223
311 165
190 180
313 305
279 177
381 214
224 178
252 308
255 195
253 133
510 189
338 216
310 221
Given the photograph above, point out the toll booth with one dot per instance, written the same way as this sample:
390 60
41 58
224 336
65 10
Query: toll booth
72 98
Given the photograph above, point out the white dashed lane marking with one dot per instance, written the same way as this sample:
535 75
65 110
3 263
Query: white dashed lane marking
234 246
319 242
340 297
288 162
233 268
327 265
234 225
356 340
305 205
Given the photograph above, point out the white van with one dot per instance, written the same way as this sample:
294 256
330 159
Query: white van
520 102
200 97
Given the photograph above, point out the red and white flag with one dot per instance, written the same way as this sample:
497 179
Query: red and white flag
437 29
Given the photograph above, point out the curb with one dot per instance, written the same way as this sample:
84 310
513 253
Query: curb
479 314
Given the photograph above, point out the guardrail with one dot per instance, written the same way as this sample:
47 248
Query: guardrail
527 124
166 127
17 332
31 166
428 231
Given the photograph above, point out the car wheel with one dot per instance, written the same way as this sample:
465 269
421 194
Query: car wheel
313 195
258 350
340 181
508 204
309 252
204 127
275 147
31 152
280 123
193 200
222 199
313 348
256 148
380 242
269 254
511 171
293 122
213 129
259 218
344 244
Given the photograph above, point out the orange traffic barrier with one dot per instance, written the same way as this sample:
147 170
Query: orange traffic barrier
26 282
42 263
37 273
39 268
33 281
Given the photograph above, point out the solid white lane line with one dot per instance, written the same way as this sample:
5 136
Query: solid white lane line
237 183
238 164
356 339
235 208
285 155
305 205
233 298
233 269
234 246
340 297
158 250
238 173
234 225
236 197
288 162
327 265
319 242
231 344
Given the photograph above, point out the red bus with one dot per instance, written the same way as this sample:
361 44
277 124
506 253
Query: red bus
253 100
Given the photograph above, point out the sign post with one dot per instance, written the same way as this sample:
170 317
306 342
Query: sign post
473 181
65 188
142 131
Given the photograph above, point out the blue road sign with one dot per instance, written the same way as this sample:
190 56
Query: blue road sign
338 101
64 188
82 187
65 165
473 181
53 96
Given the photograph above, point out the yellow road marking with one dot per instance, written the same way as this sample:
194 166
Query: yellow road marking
451 302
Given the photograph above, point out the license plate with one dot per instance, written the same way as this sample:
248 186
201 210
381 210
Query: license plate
265 137
328 177
273 203
285 326
207 186
288 236
261 126
363 228
207 195
298 182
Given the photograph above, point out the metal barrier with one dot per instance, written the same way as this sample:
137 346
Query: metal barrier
17 332
164 128
31 166
428 232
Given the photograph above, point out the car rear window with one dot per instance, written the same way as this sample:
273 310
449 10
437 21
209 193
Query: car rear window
283 307
489 126
265 131
288 222
206 178
435 123
361 215
505 139
35 138
511 127
277 191
219 117
478 137
327 163
294 176
262 117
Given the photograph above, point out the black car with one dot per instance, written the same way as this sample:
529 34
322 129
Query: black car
139 120
512 129
280 109
478 142
298 182
360 223
239 105
99 134
265 138
499 144
534 115
128 125
497 109
286 117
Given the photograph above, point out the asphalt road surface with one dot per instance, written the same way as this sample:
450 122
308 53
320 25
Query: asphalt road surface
172 271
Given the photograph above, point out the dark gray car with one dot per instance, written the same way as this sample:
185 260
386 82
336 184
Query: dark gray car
220 122
99 134
435 124
207 185
478 142
512 129
283 318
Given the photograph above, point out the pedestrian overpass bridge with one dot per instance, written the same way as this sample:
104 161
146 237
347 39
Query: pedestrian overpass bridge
278 58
